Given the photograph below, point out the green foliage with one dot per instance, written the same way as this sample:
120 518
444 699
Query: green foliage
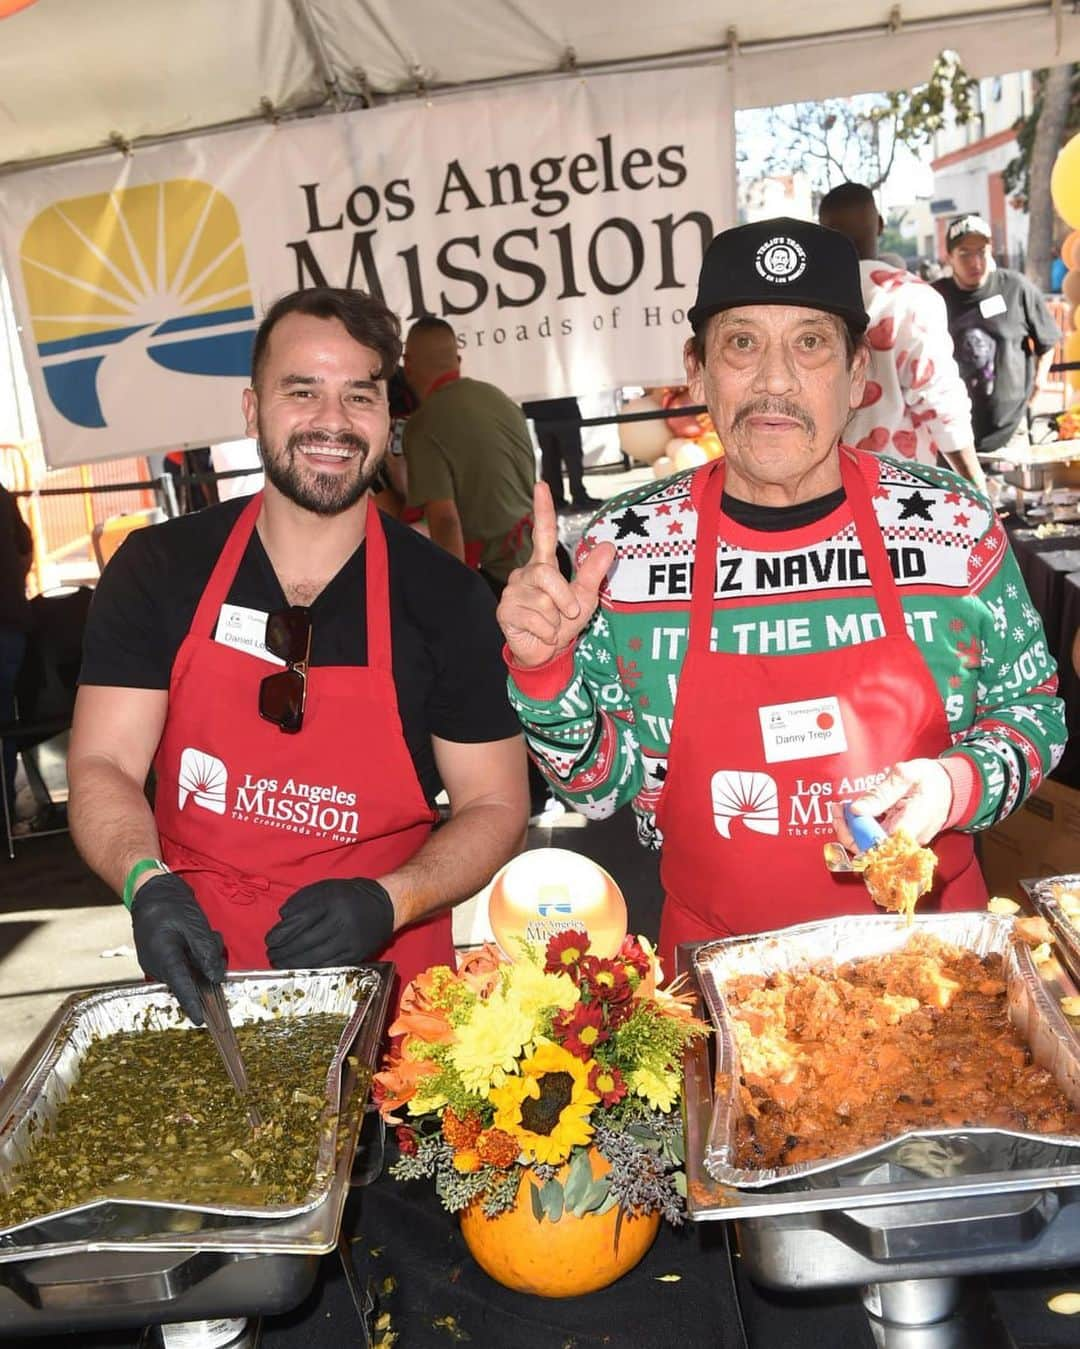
857 139
1016 174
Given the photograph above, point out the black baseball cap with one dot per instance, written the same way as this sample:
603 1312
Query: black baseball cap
964 225
781 261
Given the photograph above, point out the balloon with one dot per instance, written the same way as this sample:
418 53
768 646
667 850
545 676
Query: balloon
13 6
710 443
1065 182
687 427
691 455
643 441
1069 255
1070 287
663 467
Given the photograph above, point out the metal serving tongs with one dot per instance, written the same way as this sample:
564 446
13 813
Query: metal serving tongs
867 834
216 1011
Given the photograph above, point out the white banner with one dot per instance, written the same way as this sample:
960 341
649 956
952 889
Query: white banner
558 227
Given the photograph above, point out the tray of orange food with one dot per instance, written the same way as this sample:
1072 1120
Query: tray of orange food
853 1042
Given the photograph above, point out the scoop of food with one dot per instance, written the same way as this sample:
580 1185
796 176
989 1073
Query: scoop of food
897 872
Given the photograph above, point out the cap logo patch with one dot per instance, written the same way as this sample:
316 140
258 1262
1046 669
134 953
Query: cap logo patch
780 260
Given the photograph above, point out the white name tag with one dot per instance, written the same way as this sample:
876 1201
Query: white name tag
993 304
807 730
246 630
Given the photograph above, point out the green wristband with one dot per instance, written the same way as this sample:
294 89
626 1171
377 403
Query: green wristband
140 869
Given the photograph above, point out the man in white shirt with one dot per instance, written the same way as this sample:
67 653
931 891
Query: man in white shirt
915 405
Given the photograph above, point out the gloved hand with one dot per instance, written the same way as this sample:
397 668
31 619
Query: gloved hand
172 933
331 923
915 796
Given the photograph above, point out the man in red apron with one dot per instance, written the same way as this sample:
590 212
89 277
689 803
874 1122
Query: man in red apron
291 827
779 357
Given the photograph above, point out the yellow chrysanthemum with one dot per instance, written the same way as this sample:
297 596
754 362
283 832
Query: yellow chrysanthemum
422 1105
547 1108
489 1042
661 1090
534 991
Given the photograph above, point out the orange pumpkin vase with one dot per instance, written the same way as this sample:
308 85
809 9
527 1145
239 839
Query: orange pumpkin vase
557 1259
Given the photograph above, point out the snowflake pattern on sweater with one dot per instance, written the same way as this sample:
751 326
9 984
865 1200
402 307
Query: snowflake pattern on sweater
598 718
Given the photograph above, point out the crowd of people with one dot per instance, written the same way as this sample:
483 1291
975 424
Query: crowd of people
827 614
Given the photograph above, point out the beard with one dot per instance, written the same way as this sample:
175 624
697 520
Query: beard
321 493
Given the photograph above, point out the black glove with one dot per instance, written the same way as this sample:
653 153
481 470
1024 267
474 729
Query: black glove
331 923
171 934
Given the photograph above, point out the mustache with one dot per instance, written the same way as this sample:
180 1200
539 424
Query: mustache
773 407
345 438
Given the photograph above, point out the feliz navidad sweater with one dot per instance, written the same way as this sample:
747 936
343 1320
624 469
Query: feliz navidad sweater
598 716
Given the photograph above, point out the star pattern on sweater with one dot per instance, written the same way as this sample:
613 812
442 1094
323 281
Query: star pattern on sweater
915 505
629 522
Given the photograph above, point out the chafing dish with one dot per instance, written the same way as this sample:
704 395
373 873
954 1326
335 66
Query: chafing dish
1064 920
910 1217
125 1262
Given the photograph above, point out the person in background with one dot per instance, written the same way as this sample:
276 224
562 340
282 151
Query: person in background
16 559
305 677
468 456
796 625
915 405
557 423
1003 335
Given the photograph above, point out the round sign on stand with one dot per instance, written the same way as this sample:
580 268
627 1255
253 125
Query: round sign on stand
545 891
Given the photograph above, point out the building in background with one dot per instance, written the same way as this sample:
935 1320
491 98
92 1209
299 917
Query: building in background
968 161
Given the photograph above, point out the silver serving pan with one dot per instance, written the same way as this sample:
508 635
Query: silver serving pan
1044 894
931 1152
43 1078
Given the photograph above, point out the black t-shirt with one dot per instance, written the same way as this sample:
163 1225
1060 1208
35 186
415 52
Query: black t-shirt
16 546
447 649
998 333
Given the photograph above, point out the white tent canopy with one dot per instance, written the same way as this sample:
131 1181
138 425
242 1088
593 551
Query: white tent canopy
79 77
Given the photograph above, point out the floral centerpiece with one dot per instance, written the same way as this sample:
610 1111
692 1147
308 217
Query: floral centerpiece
510 1076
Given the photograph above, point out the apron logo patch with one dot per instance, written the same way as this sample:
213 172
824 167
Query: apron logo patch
204 779
749 797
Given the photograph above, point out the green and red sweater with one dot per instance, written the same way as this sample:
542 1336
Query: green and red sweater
598 716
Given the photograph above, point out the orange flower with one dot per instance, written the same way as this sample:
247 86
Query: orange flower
460 1133
419 1015
479 969
398 1083
466 1161
495 1147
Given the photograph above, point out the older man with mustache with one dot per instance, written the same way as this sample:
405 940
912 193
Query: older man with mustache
304 676
747 646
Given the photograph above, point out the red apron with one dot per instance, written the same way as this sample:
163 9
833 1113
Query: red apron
744 820
247 814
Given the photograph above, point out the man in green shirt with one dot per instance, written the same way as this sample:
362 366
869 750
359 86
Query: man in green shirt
470 461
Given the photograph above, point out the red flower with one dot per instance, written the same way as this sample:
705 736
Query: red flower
564 952
407 1141
608 1084
605 980
581 1030
632 953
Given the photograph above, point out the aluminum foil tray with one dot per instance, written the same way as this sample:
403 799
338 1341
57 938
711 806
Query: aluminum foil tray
43 1078
932 1153
1064 918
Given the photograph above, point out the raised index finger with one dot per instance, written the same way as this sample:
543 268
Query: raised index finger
545 530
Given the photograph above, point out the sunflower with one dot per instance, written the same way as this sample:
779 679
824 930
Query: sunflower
547 1108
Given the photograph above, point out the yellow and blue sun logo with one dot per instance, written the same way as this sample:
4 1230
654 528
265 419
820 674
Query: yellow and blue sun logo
162 264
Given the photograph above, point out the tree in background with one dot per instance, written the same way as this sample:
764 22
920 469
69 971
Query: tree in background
1055 115
857 139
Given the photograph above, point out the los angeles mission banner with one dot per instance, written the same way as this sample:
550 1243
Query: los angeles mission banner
557 226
